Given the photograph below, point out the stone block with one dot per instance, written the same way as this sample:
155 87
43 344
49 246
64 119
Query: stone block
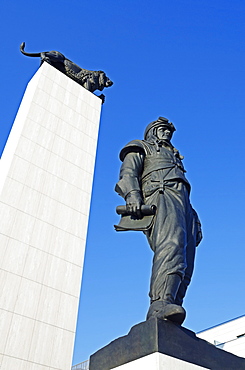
167 338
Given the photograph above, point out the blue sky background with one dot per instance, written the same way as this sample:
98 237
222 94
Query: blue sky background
182 59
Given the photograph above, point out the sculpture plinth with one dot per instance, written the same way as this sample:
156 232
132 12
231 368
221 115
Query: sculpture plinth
162 336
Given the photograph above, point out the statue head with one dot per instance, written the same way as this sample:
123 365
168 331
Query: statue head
104 81
160 129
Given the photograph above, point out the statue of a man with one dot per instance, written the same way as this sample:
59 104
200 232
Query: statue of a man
152 173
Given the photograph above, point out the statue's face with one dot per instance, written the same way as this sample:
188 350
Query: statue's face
164 133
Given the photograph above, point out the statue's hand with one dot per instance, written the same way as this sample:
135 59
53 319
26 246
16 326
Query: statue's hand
134 202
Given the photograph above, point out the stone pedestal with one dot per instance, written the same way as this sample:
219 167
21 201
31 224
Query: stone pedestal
158 345
158 361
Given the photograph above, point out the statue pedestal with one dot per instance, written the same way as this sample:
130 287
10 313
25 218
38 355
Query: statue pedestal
158 345
45 188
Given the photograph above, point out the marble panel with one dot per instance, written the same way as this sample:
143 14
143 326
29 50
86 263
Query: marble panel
87 112
7 216
55 188
29 201
83 141
12 192
88 144
68 115
3 246
58 92
94 116
95 102
45 84
13 363
35 178
64 129
69 172
54 90
40 156
62 216
19 169
5 322
83 202
41 97
49 306
82 109
86 126
14 257
55 107
65 193
71 196
50 121
88 163
60 147
22 227
40 348
81 94
73 88
35 265
25 149
86 97
48 71
62 349
81 162
67 246
82 227
20 335
57 165
48 210
62 276
28 298
31 130
45 138
38 114
70 100
42 235
72 280
9 288
67 312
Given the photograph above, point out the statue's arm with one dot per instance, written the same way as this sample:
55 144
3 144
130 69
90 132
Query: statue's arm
129 186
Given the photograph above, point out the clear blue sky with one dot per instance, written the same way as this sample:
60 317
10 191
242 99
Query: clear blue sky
182 59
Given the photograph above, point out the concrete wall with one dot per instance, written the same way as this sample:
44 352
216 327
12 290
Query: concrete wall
229 336
46 174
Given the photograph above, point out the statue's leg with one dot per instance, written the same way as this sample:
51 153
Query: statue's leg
168 240
190 256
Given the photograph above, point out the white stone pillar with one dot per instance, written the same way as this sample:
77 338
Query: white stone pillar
46 174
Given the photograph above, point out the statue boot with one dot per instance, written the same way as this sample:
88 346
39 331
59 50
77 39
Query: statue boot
165 307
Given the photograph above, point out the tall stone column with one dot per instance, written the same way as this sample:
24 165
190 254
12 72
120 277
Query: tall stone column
46 175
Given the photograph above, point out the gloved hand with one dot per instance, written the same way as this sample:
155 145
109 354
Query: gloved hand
133 203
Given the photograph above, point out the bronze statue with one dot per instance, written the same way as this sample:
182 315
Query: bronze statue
90 80
152 176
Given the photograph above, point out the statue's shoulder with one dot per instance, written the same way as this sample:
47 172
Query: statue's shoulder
134 146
